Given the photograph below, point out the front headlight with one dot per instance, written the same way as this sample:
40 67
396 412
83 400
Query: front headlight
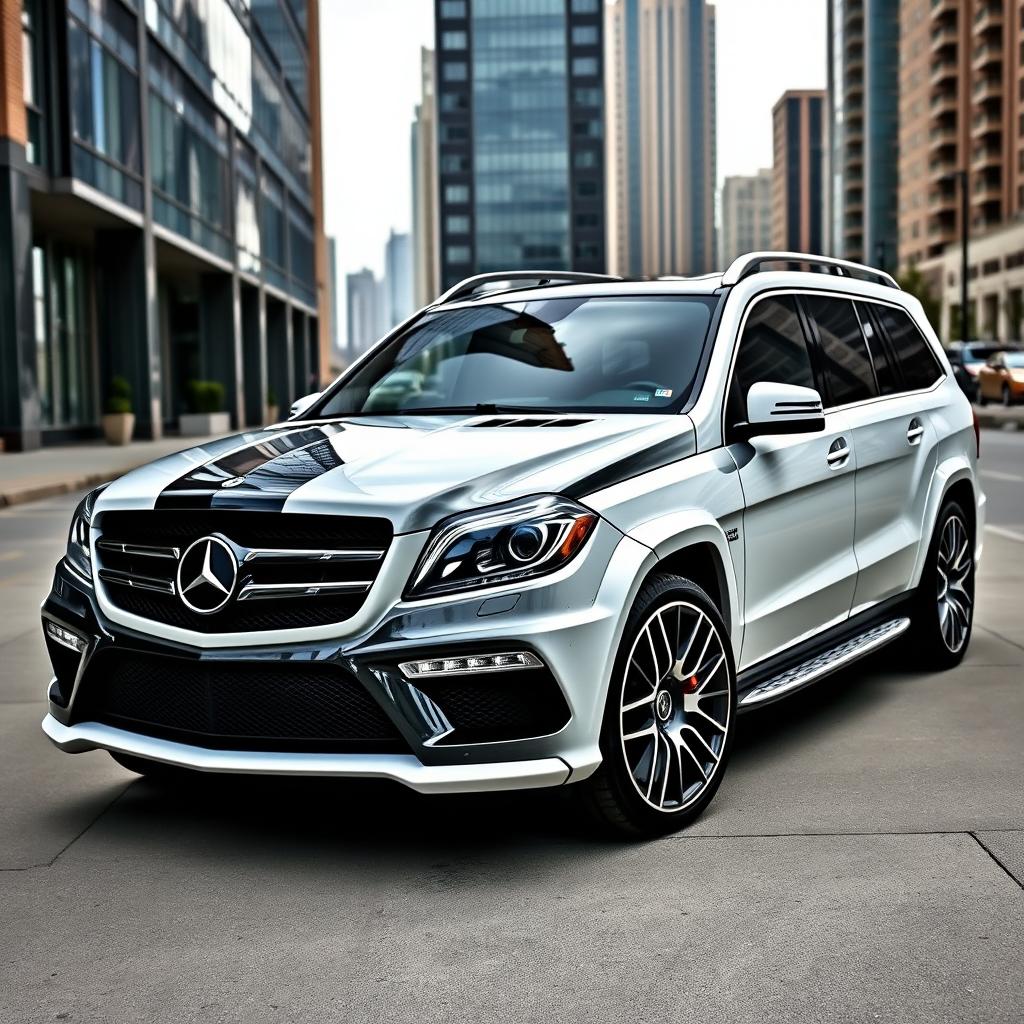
501 544
77 554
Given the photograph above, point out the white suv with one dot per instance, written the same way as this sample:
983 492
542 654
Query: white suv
555 529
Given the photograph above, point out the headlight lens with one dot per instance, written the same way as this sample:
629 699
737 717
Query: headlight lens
501 544
77 555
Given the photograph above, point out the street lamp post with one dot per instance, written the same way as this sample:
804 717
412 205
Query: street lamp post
961 177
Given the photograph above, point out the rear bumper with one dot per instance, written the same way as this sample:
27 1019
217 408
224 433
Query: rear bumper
403 768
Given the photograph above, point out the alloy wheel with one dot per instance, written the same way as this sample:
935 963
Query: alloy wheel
674 713
954 584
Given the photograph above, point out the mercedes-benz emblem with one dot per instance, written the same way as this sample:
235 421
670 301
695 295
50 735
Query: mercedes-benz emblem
235 481
206 575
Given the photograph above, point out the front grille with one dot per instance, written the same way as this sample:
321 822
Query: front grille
496 706
235 705
137 558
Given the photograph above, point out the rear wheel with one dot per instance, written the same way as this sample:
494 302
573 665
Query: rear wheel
668 722
1007 396
943 613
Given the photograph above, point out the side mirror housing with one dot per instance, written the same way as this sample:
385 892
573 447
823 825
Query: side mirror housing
300 405
781 409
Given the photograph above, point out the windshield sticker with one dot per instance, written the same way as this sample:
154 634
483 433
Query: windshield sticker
663 393
641 398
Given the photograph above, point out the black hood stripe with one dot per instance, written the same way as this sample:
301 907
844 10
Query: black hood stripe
664 453
272 469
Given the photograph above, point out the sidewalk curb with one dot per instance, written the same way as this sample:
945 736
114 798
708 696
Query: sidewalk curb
1008 420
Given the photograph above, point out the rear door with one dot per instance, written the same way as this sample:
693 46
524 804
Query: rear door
881 372
798 492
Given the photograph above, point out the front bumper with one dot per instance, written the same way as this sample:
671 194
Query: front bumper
571 620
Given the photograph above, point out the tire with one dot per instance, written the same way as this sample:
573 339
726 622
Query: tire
982 400
165 774
656 782
943 611
1007 396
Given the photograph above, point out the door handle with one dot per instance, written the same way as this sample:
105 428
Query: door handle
915 431
838 453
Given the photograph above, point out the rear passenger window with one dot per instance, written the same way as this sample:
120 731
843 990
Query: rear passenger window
844 352
885 371
772 348
917 361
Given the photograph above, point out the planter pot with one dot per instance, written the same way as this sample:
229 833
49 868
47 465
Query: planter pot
118 427
202 424
272 411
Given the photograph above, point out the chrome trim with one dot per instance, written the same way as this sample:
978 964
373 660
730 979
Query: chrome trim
826 663
407 670
311 555
142 550
403 768
266 591
740 267
136 582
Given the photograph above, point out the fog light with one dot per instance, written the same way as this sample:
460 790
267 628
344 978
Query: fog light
506 662
64 637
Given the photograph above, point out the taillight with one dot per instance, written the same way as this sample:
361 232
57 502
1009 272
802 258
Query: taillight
977 432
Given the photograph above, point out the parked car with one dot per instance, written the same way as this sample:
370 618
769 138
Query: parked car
558 529
967 358
1001 379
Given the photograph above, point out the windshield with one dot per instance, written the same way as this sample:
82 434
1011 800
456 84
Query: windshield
979 353
613 354
1014 360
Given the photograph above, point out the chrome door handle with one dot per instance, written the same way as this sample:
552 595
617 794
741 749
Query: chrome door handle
915 431
838 453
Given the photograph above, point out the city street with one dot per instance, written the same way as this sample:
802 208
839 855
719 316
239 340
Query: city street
864 860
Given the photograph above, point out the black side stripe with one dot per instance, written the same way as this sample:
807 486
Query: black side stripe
272 469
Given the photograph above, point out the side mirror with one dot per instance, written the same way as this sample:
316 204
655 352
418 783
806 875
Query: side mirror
781 409
300 405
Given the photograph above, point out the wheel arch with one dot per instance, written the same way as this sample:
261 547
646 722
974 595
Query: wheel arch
954 479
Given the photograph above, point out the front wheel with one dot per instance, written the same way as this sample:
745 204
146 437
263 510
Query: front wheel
668 723
1007 396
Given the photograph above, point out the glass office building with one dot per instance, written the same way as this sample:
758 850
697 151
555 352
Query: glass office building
161 210
520 109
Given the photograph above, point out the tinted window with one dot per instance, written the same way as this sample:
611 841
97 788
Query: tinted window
885 371
844 353
603 353
772 348
920 369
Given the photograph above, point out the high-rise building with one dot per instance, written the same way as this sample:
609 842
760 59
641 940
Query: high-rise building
332 278
798 174
397 280
424 187
364 309
863 129
961 109
520 118
746 215
162 213
661 137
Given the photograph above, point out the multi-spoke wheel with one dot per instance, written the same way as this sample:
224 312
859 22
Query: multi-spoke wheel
944 608
670 711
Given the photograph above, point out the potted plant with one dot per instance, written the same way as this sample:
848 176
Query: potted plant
272 406
118 418
206 413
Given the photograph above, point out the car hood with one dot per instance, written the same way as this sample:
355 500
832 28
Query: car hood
413 470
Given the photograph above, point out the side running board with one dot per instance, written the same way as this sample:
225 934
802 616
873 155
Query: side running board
822 664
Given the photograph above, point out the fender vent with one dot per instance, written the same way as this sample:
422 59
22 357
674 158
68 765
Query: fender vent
519 421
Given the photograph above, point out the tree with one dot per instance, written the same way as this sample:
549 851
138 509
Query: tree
914 282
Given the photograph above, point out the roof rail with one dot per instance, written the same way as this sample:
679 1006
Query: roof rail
751 263
474 286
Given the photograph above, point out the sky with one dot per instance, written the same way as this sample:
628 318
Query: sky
370 73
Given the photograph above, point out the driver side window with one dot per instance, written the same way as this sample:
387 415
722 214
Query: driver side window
772 348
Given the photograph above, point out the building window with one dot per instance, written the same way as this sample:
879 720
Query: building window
453 40
454 132
457 224
585 6
584 35
456 194
455 163
587 129
586 96
247 215
454 102
453 8
30 77
584 158
582 66
454 72
458 254
586 189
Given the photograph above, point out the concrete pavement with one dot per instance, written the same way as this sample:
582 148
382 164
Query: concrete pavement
863 860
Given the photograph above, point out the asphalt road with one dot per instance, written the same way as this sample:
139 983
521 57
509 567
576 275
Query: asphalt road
863 860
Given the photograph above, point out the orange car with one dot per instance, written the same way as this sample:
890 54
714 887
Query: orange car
1001 379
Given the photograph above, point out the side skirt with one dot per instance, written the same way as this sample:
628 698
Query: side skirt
824 654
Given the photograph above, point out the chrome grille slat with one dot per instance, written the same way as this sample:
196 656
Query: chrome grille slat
268 591
142 550
137 582
312 555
